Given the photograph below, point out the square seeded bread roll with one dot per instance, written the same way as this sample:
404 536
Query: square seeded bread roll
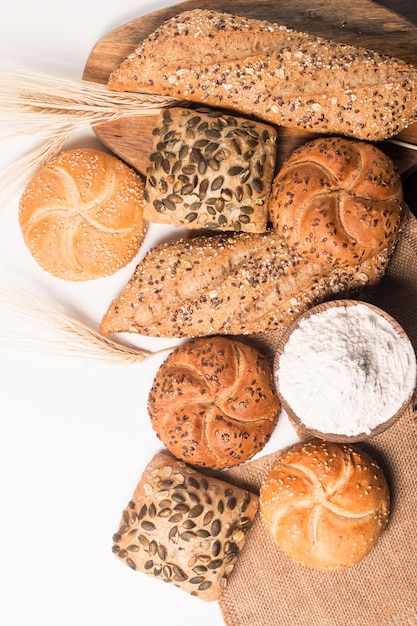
210 169
184 527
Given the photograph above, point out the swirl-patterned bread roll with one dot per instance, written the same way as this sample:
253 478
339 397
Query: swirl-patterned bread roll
337 201
81 215
325 504
213 402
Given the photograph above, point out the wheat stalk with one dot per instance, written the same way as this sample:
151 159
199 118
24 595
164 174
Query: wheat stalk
35 102
57 332
24 168
52 108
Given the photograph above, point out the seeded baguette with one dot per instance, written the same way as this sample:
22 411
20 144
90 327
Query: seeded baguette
276 74
185 528
237 284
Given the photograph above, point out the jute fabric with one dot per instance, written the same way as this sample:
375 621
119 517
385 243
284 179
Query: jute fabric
269 589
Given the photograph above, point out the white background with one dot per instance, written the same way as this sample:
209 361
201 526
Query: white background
75 435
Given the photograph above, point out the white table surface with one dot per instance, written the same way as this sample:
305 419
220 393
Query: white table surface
75 435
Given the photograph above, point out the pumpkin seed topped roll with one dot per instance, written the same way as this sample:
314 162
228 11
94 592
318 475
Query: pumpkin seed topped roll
210 169
185 528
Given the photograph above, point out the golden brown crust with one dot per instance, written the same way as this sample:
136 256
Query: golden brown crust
185 528
81 215
213 402
234 284
325 504
338 200
275 74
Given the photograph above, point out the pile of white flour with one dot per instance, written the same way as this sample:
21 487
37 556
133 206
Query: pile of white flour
346 370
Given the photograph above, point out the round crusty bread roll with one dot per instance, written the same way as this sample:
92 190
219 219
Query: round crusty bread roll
213 402
338 201
81 215
325 504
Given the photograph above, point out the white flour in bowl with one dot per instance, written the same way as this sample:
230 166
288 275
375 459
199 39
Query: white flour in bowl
346 370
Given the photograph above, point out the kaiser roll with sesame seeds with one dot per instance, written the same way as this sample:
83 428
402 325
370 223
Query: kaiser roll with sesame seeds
184 528
325 504
338 200
81 215
213 402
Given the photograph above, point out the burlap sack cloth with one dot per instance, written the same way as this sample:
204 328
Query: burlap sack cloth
269 589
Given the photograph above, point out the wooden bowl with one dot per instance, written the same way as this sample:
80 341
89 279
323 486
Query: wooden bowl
304 424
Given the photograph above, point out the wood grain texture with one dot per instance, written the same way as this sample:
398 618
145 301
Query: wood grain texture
365 23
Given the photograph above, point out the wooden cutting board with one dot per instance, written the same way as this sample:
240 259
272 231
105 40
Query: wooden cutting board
358 22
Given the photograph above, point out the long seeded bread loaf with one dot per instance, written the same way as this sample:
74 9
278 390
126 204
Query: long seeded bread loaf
237 284
279 75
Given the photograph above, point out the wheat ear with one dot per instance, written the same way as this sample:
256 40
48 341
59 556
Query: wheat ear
52 108
38 103
14 176
57 332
